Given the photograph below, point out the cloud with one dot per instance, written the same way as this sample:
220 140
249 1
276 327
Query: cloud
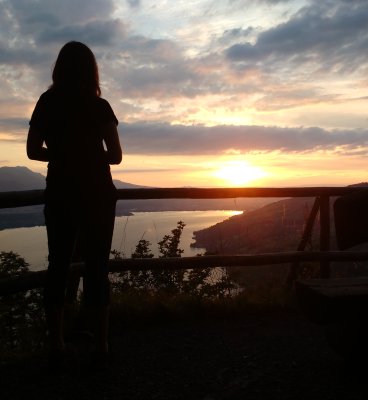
320 38
160 139
326 37
134 3
313 43
152 50
237 66
95 33
13 124
152 68
164 139
26 27
50 12
230 35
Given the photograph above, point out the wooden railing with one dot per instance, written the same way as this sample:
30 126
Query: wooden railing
322 205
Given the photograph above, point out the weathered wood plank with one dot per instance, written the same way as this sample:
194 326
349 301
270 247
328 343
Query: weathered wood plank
236 260
307 234
213 193
21 199
34 197
325 234
36 279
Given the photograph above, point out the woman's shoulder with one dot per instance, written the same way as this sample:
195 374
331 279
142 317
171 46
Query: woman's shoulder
103 102
106 110
47 96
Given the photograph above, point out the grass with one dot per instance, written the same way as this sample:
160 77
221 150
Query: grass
139 308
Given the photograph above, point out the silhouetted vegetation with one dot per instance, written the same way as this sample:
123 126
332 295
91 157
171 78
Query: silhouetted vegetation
21 314
197 283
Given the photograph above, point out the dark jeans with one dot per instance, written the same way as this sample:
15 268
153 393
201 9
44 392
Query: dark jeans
86 223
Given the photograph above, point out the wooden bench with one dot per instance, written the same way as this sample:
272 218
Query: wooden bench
332 300
340 306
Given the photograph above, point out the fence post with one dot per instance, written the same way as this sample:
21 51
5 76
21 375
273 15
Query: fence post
307 234
325 234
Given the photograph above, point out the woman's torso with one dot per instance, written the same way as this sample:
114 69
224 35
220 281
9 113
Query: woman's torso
73 134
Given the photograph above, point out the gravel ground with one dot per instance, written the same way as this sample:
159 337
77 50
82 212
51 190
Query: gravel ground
266 355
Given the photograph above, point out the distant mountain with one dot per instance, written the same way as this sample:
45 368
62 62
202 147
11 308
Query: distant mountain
22 178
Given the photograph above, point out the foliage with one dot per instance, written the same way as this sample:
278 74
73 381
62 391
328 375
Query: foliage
169 245
142 250
21 311
198 282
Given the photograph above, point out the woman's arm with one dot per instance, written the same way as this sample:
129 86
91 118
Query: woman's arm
111 138
35 149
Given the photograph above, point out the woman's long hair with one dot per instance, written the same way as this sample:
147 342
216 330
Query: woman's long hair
76 71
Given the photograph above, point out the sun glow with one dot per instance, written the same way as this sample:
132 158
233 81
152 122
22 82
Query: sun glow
239 173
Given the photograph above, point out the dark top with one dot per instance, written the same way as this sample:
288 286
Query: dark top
73 132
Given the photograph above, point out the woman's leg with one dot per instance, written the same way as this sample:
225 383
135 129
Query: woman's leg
98 231
61 232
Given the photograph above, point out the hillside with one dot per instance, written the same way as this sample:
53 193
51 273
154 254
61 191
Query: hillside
274 227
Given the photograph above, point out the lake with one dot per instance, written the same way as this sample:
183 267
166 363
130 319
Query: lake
31 243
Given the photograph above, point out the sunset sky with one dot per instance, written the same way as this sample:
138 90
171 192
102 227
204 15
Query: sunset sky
207 92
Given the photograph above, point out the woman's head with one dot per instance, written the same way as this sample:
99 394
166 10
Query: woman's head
76 70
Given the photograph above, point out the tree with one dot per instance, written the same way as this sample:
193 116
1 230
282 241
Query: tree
169 245
142 249
20 311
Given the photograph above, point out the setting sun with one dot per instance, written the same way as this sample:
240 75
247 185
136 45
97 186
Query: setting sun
238 173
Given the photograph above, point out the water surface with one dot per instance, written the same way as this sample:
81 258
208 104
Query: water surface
31 243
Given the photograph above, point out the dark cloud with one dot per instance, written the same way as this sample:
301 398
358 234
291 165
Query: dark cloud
318 39
160 138
324 37
46 12
27 27
153 68
237 32
134 3
331 35
13 124
143 50
98 32
25 55
162 81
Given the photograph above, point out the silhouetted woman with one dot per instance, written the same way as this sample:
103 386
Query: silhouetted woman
70 128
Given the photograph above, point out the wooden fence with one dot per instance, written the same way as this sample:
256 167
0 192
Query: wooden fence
322 206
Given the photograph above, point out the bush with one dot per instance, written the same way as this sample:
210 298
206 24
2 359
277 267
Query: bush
20 313
198 283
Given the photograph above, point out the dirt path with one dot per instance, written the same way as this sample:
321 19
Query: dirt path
273 355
